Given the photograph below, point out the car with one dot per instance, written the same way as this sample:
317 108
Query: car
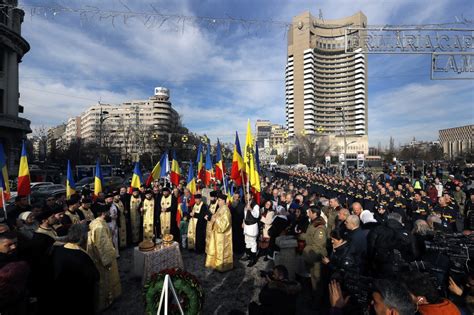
85 181
51 188
41 196
37 185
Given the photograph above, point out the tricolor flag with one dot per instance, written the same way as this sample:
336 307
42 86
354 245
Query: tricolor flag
98 179
136 178
201 172
208 173
23 188
250 167
4 183
237 162
158 169
220 170
175 174
191 182
70 184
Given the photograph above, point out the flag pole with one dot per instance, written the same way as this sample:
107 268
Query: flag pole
3 203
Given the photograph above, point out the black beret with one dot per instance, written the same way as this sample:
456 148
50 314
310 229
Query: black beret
222 196
198 196
213 193
43 215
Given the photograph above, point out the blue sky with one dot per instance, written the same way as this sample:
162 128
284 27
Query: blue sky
221 75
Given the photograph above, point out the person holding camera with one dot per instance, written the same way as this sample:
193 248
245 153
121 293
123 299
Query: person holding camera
278 295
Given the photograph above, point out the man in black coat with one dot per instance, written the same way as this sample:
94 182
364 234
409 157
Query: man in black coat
388 246
357 241
237 212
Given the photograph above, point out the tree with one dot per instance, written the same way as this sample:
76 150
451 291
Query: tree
435 153
309 150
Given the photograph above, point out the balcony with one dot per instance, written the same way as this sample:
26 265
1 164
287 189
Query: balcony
13 122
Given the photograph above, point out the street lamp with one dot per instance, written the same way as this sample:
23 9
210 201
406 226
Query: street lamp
102 118
341 109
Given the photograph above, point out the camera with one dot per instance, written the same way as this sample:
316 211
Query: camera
264 273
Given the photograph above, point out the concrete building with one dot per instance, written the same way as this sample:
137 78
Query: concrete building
456 140
325 87
278 136
55 135
73 130
12 49
130 128
263 129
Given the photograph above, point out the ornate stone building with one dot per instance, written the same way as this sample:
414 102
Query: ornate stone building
12 49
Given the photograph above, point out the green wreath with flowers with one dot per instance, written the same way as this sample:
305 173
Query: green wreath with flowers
187 287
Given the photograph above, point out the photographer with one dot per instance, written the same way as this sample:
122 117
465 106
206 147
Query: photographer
278 296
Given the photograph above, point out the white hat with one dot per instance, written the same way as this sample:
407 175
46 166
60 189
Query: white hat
24 215
366 216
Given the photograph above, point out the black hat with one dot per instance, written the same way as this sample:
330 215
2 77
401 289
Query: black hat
165 189
116 193
197 196
148 192
43 215
109 195
73 200
101 208
135 189
213 193
86 200
221 196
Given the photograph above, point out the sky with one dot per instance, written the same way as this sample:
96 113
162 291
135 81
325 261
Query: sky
221 74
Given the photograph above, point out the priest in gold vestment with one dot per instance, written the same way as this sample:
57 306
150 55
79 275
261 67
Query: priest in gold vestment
148 211
211 210
102 252
219 255
168 209
135 218
197 225
122 224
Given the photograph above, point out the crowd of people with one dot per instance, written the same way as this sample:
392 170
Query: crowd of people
401 245
383 240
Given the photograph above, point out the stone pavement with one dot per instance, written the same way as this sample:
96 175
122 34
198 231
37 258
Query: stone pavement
224 292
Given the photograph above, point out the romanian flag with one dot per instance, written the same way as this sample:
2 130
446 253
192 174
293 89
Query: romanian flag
70 184
158 170
98 179
201 172
24 188
208 172
191 182
237 162
175 174
4 183
220 170
250 165
136 178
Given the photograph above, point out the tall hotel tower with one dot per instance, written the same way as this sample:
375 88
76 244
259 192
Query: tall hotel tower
323 83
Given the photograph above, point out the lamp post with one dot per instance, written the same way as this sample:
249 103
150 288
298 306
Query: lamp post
341 109
102 118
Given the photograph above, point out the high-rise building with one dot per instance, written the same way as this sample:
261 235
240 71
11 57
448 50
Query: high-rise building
12 49
326 89
55 135
73 130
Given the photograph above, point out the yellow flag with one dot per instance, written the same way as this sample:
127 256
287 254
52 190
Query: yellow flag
250 168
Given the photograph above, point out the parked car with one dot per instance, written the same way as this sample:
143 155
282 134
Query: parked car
41 195
37 185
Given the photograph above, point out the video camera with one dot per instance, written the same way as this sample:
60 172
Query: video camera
359 288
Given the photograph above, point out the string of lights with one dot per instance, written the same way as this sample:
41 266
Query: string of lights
154 18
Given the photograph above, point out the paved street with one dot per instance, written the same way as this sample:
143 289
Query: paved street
223 292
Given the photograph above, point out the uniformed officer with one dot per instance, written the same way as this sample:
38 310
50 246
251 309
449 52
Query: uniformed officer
419 209
315 249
